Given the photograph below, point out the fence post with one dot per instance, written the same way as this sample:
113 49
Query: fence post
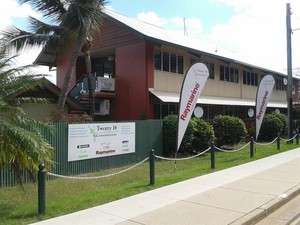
41 189
251 148
278 141
297 136
152 170
212 155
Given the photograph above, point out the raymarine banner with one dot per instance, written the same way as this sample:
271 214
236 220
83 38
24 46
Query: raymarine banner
191 89
263 96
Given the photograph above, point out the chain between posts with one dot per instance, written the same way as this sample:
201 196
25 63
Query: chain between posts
42 172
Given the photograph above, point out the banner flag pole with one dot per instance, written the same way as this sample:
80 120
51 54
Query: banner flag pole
192 86
263 96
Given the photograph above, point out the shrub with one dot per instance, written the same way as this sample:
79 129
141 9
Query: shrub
250 130
270 127
169 134
283 118
203 134
198 136
297 123
229 130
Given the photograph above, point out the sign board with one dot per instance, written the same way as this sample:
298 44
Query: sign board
198 112
94 140
105 84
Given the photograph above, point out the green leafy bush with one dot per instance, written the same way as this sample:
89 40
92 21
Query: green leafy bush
198 136
169 134
297 123
203 134
228 130
270 127
250 130
283 118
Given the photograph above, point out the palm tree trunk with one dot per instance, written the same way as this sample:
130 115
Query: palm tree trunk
70 72
82 37
88 63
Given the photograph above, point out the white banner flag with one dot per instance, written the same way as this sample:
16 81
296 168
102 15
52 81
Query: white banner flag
263 96
191 89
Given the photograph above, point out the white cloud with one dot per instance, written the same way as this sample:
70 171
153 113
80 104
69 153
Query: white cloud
256 30
7 10
151 17
28 57
193 25
12 9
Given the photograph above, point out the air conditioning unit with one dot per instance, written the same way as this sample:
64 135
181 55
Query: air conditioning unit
102 107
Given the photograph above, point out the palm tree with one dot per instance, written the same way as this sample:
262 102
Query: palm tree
72 21
22 147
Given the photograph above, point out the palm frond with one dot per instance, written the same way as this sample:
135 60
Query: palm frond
22 145
83 13
51 9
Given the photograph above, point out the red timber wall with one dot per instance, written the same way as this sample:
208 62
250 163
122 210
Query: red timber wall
133 79
133 67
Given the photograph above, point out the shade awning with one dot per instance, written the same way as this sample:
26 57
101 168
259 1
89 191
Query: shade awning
213 100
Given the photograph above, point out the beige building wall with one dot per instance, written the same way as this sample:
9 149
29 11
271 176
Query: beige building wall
171 82
40 111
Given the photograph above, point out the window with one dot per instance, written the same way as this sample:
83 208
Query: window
207 112
104 69
229 74
210 66
165 109
168 62
173 61
157 60
279 84
229 111
180 64
250 78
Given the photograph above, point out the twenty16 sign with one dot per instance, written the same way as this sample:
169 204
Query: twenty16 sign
87 141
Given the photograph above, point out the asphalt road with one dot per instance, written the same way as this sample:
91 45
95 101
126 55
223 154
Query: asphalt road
288 214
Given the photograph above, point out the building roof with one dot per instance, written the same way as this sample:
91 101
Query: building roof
49 91
160 35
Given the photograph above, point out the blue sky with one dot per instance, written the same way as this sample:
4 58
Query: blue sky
255 29
211 13
200 16
252 28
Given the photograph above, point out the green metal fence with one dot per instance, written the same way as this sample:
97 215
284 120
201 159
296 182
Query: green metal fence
148 136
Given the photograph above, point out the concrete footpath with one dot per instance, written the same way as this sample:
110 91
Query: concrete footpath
240 195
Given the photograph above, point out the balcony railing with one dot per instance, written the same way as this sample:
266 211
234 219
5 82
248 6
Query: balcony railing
99 84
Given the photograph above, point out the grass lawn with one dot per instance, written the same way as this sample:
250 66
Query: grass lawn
68 195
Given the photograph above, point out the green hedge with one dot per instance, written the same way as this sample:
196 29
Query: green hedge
198 136
283 118
203 134
229 130
270 128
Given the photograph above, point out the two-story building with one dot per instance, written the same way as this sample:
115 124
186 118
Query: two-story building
139 68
